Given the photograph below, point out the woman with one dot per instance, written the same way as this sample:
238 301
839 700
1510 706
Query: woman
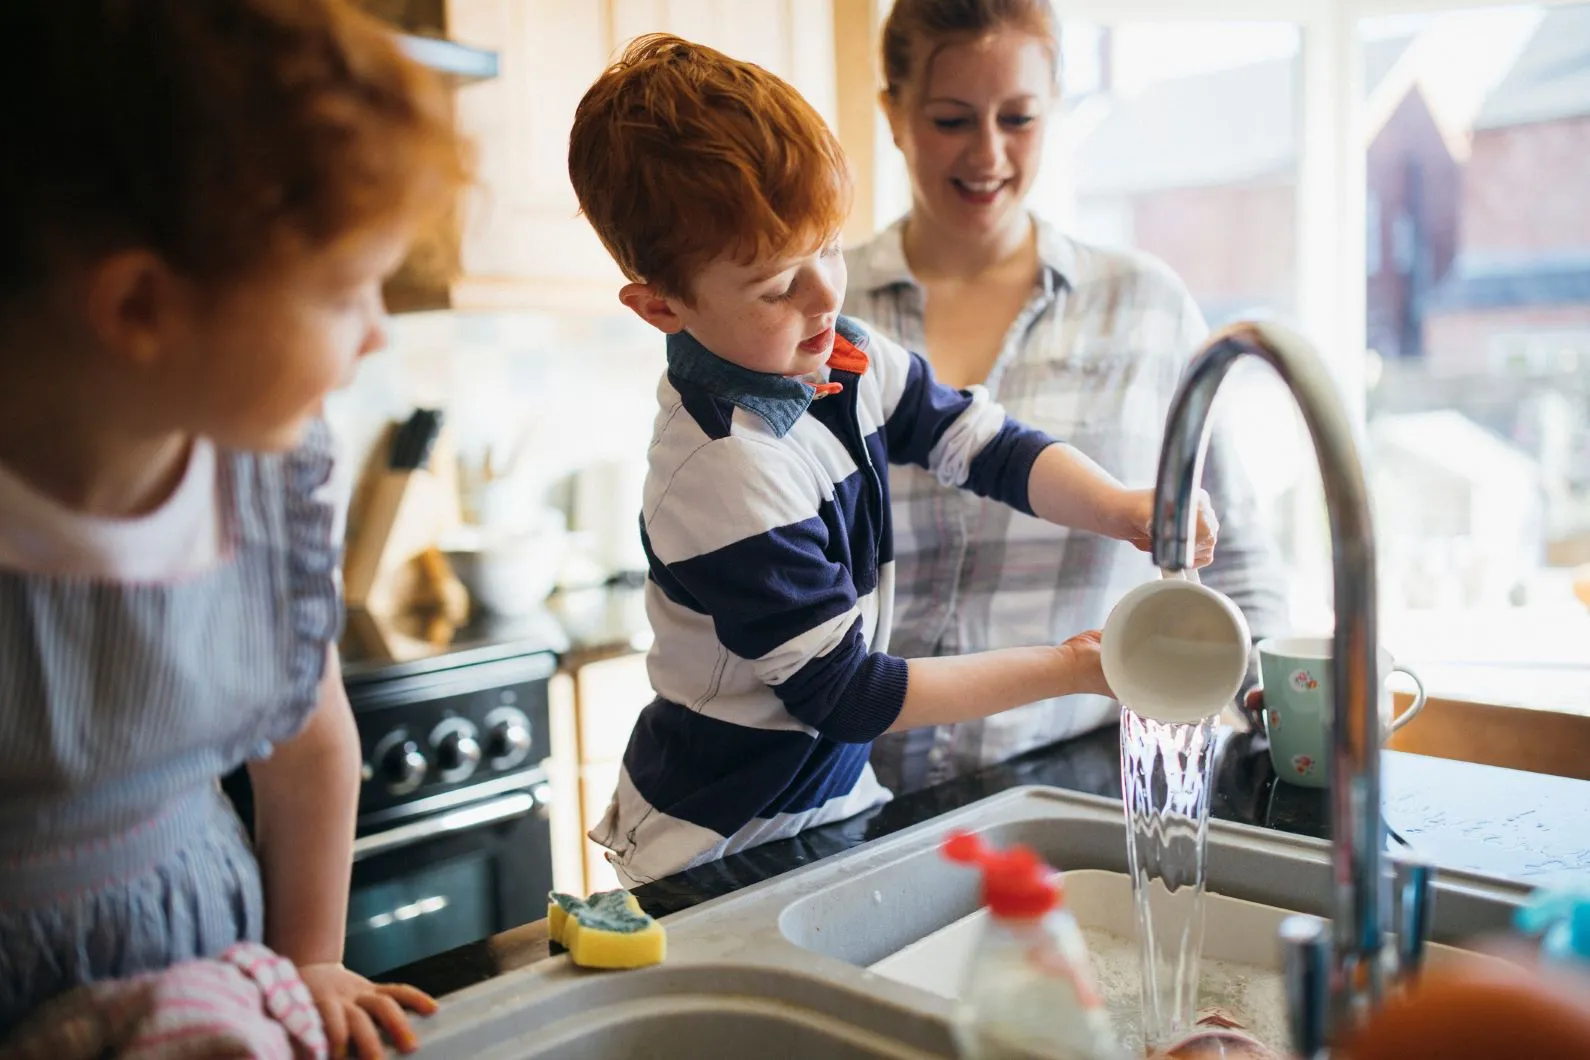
1085 342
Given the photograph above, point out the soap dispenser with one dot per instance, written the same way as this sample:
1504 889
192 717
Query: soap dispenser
1029 990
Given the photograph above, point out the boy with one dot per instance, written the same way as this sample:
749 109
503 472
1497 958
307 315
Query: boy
720 193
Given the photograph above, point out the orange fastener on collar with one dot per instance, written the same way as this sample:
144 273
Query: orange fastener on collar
846 358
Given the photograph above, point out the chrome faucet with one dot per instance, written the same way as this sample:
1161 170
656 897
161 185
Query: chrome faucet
1332 981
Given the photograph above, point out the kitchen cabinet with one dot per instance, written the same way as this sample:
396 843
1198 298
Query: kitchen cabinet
516 240
563 774
609 696
791 38
597 784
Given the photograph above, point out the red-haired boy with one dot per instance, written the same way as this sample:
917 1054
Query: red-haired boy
721 193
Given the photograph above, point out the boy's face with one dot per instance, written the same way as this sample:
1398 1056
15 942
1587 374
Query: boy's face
773 316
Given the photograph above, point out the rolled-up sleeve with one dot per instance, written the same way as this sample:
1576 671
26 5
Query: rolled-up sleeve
962 436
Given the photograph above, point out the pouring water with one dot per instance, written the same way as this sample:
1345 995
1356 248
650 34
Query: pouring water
1176 653
1165 771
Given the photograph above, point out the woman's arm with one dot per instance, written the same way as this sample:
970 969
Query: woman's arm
306 795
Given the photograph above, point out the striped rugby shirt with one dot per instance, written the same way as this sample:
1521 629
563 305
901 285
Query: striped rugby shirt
766 524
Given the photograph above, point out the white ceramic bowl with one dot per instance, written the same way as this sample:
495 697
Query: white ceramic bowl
512 576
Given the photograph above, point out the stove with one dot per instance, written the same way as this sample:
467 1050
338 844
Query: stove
453 841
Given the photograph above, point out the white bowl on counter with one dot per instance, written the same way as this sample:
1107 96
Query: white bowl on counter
511 575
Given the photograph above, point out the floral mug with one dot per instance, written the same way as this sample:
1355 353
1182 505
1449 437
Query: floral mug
1298 705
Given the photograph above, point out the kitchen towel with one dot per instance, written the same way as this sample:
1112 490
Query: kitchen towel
247 1003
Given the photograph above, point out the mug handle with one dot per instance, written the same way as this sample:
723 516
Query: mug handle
1418 699
1186 574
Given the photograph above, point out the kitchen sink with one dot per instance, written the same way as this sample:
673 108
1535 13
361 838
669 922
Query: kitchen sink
855 955
1240 974
680 1011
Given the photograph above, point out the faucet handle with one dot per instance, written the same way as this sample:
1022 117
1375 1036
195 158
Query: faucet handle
1416 896
1305 967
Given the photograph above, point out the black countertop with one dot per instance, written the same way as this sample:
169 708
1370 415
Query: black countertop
1525 826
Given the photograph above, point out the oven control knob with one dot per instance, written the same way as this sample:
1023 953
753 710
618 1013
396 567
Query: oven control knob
457 753
509 739
404 767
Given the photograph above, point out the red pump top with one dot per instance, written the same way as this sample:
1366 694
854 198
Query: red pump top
1017 885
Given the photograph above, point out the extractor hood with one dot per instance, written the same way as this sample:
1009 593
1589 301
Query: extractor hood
461 62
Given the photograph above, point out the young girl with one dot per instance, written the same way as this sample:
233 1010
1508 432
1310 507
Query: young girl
197 205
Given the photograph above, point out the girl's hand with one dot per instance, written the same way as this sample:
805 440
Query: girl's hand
351 1006
1134 524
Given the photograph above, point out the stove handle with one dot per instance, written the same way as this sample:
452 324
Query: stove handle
480 815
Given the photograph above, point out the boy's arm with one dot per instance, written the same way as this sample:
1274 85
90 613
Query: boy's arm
967 440
952 688
962 436
740 538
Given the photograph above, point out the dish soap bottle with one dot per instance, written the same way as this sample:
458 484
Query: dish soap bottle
1029 991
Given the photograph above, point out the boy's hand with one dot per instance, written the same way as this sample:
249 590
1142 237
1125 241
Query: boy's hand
351 1006
1134 524
1084 665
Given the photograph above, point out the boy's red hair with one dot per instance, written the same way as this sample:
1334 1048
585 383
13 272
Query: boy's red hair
213 132
680 154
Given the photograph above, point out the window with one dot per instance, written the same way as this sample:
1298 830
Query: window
1478 419
1374 235
1185 139
1252 155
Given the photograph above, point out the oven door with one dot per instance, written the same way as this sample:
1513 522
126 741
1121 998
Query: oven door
449 878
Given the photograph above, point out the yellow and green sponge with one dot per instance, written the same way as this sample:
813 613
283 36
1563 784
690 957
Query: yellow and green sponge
606 930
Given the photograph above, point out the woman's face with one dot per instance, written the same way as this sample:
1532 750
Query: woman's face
971 127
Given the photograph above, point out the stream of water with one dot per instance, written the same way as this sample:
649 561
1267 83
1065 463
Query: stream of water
1165 785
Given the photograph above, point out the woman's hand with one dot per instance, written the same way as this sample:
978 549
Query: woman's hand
351 1007
1134 524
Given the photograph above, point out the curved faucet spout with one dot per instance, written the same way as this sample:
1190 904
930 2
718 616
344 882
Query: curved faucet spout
1357 826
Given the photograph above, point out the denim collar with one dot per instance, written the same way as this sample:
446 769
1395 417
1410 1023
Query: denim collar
778 399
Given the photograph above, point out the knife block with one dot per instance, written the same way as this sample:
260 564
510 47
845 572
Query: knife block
400 514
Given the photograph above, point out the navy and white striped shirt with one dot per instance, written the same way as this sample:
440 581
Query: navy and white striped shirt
766 524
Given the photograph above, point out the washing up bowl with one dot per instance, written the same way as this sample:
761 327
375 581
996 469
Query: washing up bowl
1240 974
799 965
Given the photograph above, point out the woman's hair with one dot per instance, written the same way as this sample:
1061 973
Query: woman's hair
212 132
916 30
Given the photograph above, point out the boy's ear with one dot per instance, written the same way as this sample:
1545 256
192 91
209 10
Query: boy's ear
652 307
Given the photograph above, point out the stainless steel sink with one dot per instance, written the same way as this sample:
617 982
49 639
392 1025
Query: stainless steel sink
683 1011
782 969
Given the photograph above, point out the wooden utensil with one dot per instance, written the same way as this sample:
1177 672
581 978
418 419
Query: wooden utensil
406 507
